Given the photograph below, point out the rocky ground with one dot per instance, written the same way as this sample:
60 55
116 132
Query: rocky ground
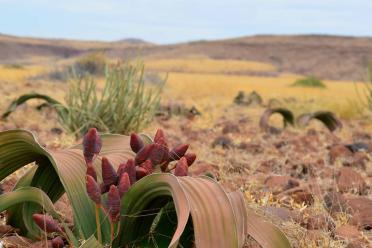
312 183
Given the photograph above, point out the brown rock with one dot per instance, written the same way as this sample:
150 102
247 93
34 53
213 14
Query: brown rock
301 195
335 202
251 147
222 141
339 151
349 180
7 229
320 222
355 244
315 235
279 184
15 241
201 168
230 128
361 211
347 232
43 243
282 213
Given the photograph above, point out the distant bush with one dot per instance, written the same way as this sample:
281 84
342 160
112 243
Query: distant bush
310 81
13 66
90 64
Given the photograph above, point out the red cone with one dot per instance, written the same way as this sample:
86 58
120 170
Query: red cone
92 145
136 143
181 168
46 223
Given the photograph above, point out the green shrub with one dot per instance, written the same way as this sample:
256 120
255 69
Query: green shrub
123 106
311 82
90 64
13 66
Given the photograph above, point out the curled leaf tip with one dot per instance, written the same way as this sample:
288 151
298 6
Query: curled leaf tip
46 223
136 143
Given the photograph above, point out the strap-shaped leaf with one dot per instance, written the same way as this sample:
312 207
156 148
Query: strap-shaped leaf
24 98
28 195
58 172
288 117
92 242
328 118
264 232
202 199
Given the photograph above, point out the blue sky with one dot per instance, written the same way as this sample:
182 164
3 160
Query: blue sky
171 21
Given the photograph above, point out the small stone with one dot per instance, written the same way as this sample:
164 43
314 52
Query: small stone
335 202
223 141
277 183
320 222
339 151
349 180
347 232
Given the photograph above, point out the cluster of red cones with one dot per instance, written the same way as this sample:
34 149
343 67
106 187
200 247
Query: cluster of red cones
150 158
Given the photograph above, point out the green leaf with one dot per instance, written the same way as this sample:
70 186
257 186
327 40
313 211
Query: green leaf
287 115
92 242
58 172
24 98
202 199
28 194
326 117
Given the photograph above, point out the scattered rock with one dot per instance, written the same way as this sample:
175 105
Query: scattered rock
279 184
355 244
251 147
301 195
339 152
361 211
282 213
223 141
347 232
7 229
349 180
320 222
201 168
335 202
359 146
16 241
56 130
230 128
47 244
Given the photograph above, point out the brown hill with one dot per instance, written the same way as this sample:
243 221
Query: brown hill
331 57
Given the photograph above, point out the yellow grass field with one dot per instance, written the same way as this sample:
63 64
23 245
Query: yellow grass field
211 85
205 65
202 82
